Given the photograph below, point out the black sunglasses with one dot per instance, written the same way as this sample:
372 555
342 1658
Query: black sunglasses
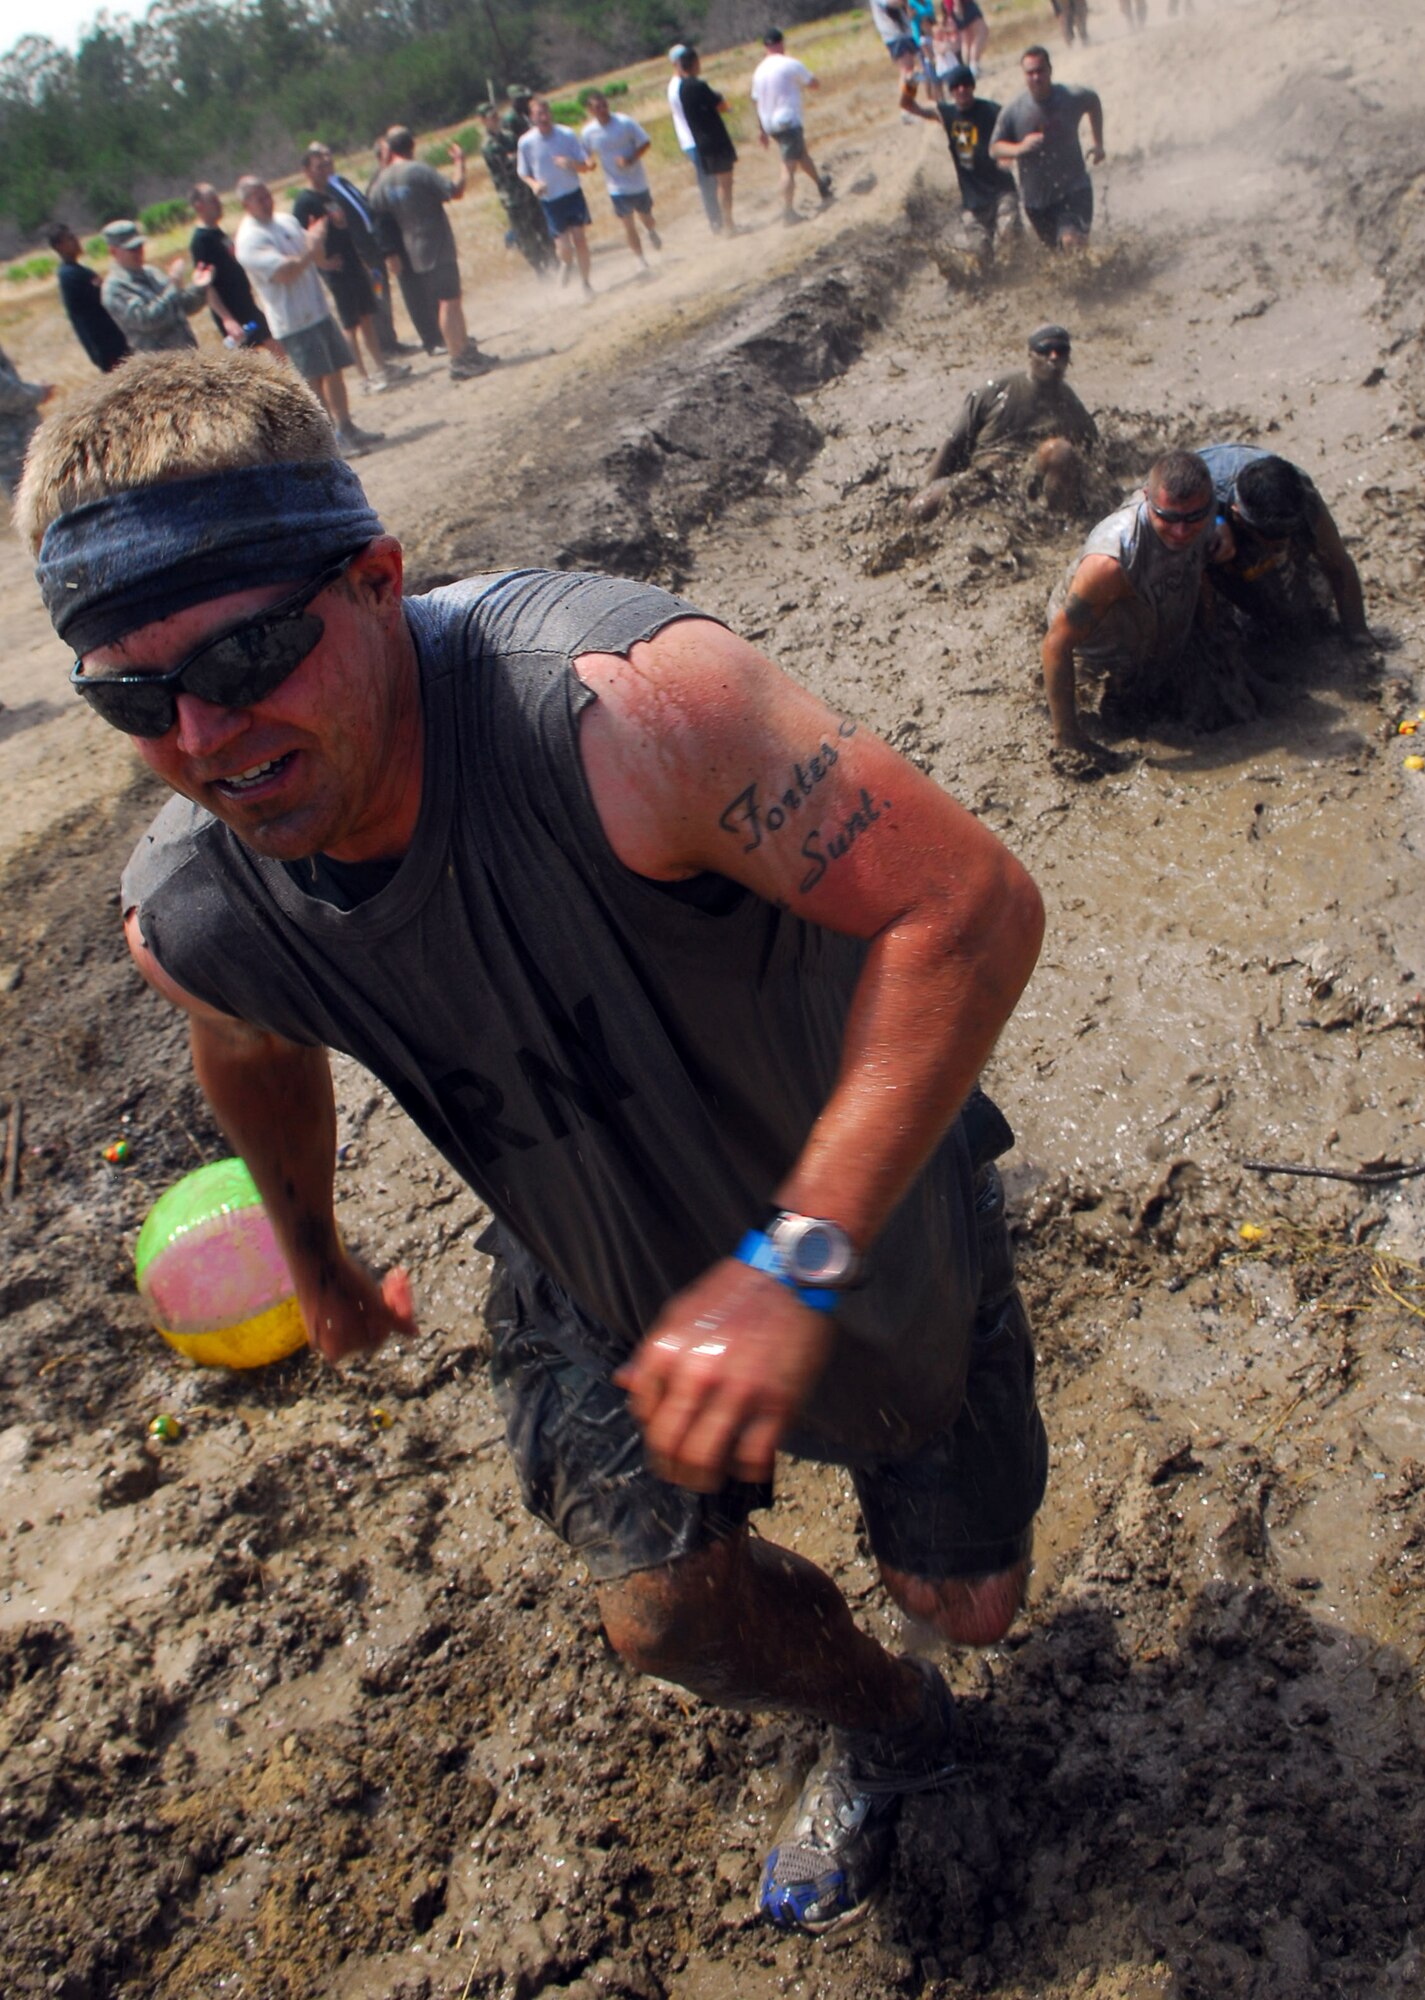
1175 519
233 670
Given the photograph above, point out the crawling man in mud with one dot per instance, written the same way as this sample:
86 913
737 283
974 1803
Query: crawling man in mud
690 978
1033 406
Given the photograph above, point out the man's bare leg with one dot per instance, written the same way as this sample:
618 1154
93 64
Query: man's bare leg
332 390
748 1625
451 314
630 230
724 200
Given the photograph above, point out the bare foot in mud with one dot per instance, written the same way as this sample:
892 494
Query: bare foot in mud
929 502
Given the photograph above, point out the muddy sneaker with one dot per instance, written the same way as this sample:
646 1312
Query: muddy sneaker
824 1872
824 189
655 239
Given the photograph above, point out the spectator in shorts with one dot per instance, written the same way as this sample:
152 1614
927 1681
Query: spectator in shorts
897 31
551 159
236 313
344 270
282 260
619 143
1040 130
970 29
79 292
702 109
777 85
707 186
415 196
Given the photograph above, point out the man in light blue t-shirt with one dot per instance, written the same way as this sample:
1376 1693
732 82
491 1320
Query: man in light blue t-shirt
619 143
551 159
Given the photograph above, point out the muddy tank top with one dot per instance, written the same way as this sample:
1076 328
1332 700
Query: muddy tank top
1153 624
624 1073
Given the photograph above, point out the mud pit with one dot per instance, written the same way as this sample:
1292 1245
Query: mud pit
303 1706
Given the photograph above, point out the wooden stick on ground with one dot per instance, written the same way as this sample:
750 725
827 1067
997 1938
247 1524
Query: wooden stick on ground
1369 1177
12 1150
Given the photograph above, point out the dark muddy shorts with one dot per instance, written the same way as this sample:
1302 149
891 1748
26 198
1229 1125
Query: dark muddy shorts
791 142
962 1506
1073 211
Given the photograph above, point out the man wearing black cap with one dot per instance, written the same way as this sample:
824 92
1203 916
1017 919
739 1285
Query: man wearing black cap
989 200
688 975
1281 527
1009 412
1039 129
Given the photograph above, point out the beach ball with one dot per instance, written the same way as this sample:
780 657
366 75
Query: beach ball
211 1274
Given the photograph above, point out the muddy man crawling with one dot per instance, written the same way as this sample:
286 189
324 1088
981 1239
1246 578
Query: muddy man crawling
1035 406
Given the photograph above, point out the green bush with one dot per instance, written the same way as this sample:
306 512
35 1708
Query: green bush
437 156
96 247
161 216
568 111
31 267
472 138
615 90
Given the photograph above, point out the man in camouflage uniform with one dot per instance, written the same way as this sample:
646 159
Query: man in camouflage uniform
19 415
527 230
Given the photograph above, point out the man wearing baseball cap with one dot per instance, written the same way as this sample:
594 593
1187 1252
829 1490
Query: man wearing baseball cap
1035 406
152 311
989 199
689 976
776 91
687 144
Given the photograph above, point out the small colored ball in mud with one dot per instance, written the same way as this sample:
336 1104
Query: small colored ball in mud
165 1428
118 1153
211 1274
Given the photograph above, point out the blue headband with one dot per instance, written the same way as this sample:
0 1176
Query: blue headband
116 564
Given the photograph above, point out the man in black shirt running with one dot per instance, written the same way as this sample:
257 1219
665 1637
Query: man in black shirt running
989 198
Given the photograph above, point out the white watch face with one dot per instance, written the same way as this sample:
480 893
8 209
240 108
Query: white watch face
817 1252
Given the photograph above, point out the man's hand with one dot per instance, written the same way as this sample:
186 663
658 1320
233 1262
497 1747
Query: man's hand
202 276
1096 156
762 139
176 267
721 1375
1030 143
347 1312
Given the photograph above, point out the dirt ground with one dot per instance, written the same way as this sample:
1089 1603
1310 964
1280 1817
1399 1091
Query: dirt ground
303 1705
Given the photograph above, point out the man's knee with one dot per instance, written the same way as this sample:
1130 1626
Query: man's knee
1060 472
668 1621
968 1611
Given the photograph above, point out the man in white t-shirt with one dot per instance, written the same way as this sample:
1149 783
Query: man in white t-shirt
551 158
777 85
687 145
619 143
282 260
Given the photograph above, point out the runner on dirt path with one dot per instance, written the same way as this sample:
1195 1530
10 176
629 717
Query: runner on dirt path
989 199
1281 528
1074 14
777 85
687 145
1011 411
1040 130
1126 606
551 159
897 30
690 977
526 231
619 143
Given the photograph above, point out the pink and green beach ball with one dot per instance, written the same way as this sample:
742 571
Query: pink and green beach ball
211 1274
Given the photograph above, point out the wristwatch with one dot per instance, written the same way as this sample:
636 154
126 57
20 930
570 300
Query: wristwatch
813 1257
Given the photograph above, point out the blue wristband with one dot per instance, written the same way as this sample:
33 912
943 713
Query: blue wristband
760 1253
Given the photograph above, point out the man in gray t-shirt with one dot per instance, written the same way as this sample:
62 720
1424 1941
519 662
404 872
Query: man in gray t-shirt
414 196
1039 131
688 975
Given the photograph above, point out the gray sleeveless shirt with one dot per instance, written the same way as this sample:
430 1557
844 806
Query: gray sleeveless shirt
1153 624
623 1072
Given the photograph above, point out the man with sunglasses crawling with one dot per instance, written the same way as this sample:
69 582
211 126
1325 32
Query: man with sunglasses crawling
685 972
1127 603
1034 406
1281 532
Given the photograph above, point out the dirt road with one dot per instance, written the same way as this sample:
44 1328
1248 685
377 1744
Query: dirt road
302 1706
